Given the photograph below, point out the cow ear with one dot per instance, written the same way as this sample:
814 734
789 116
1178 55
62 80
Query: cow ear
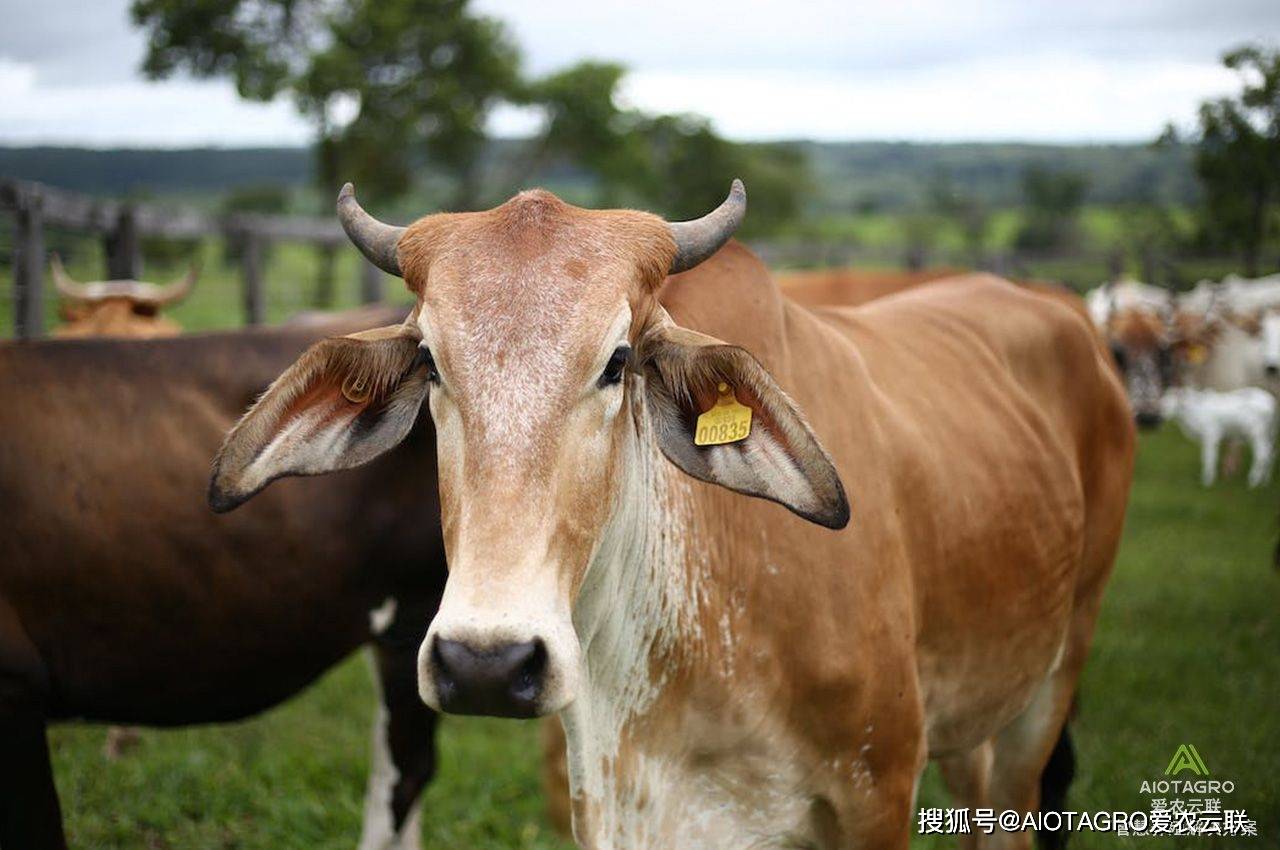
686 374
346 401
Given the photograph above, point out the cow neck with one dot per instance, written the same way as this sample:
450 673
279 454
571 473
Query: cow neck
637 614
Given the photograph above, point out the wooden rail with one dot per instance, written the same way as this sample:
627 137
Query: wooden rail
123 224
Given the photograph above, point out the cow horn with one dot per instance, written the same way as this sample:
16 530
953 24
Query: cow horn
698 239
377 241
67 288
177 290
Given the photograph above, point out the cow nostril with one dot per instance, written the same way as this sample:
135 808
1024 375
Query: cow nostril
1272 369
530 670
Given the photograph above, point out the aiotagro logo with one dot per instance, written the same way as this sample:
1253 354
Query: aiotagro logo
1186 758
1192 805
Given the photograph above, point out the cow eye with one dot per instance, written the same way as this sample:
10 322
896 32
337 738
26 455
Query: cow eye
424 358
612 373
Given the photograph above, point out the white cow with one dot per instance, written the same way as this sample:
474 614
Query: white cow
1110 298
1251 295
1209 417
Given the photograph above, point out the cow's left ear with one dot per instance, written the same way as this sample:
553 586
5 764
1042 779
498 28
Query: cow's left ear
346 401
688 374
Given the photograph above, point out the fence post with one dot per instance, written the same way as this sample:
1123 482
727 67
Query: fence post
254 304
124 247
28 267
323 297
370 283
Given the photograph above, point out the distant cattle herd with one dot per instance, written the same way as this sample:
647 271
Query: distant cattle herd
1208 359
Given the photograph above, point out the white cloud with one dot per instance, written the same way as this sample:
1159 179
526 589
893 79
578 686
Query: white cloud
137 113
1044 98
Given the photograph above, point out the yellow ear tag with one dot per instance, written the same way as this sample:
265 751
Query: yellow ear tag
1197 354
727 421
356 390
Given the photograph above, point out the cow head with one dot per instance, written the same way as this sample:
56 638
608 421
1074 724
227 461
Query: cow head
553 375
124 308
1142 348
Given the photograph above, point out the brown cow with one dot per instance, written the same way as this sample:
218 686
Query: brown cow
851 287
122 599
118 308
728 674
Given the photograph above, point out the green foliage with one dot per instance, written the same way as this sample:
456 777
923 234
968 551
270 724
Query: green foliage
675 165
966 211
1053 200
1238 157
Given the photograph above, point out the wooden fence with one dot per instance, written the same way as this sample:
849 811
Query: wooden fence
122 225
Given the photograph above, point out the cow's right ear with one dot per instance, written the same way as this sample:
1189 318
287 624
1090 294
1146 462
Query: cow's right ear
346 401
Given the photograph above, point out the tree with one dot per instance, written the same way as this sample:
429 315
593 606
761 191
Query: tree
1053 200
392 85
416 78
966 212
676 165
1238 156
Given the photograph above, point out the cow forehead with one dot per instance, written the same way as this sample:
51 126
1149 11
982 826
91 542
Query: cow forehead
1138 328
518 304
533 268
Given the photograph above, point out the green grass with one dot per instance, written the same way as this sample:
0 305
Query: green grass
1186 652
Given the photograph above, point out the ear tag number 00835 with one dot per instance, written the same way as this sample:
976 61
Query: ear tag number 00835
728 421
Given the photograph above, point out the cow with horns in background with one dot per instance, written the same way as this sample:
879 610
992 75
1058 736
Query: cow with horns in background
118 308
731 671
1134 318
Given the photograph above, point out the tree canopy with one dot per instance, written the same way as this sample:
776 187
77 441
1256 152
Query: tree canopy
393 86
1238 156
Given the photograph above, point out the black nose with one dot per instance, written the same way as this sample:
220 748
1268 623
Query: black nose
504 681
1147 419
1272 370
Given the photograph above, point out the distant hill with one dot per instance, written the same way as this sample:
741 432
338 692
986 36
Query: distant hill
144 172
887 175
848 176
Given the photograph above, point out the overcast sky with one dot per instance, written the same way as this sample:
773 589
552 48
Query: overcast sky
949 70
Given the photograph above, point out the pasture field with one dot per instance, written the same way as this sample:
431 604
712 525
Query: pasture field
1186 652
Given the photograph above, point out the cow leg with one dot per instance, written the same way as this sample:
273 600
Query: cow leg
1209 459
403 758
1260 471
30 817
967 777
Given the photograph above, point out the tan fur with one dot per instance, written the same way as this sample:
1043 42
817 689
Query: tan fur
114 317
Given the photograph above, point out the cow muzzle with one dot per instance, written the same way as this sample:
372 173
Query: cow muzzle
507 680
497 663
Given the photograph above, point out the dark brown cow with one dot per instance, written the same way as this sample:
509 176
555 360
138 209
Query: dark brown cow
123 599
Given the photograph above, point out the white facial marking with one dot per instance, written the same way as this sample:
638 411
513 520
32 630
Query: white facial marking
381 618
